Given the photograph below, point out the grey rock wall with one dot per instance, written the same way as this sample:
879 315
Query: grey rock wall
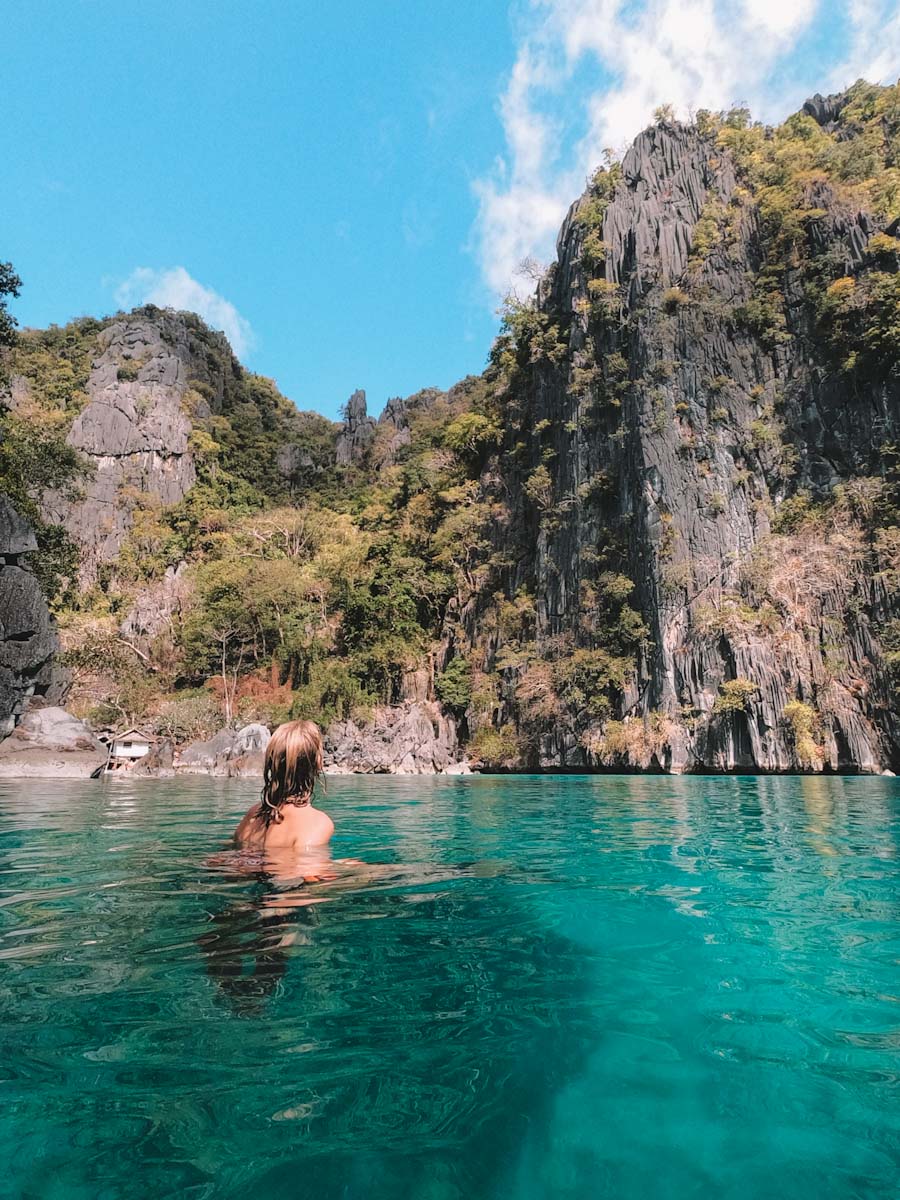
28 640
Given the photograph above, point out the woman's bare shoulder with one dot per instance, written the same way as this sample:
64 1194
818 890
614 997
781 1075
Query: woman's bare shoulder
317 826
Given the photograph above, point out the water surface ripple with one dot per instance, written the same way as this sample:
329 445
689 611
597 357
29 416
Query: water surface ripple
536 987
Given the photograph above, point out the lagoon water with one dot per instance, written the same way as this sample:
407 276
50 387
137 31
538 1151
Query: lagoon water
542 987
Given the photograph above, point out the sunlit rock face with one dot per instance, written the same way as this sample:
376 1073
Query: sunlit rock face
414 738
134 432
158 381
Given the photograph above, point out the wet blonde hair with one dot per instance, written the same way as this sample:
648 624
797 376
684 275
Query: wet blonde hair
292 768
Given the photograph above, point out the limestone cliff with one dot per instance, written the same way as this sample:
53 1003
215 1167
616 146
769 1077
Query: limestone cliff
686 407
134 431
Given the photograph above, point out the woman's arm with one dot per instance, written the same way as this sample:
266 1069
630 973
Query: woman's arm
243 830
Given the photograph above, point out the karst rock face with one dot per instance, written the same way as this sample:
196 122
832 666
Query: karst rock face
719 423
158 381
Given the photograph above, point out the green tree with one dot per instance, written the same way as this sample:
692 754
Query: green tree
33 460
10 286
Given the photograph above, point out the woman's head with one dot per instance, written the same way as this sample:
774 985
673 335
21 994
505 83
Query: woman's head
292 767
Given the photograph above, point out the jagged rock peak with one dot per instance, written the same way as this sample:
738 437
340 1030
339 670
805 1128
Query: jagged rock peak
355 412
394 412
826 110
357 431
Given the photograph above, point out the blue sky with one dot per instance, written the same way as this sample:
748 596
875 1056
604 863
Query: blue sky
347 189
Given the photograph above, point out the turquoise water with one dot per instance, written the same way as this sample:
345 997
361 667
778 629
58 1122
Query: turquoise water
561 987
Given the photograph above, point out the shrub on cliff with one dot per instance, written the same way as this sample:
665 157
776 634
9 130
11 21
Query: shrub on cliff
636 741
34 460
802 720
454 686
10 283
734 696
496 748
189 717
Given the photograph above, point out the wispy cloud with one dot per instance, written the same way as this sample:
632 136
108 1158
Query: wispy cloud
173 287
417 225
874 51
589 73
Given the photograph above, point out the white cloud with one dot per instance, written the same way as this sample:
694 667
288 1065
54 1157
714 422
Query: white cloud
874 43
617 60
173 287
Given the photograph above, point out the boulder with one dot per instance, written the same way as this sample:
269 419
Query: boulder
235 753
251 739
50 743
158 764
409 739
248 753
201 758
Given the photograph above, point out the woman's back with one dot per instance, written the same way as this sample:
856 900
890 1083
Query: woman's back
300 828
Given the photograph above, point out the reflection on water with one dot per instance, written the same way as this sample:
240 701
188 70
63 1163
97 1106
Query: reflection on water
626 987
246 950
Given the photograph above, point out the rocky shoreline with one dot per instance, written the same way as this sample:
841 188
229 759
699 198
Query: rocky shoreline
412 739
415 738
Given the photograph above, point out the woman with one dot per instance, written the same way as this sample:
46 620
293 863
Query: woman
285 822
